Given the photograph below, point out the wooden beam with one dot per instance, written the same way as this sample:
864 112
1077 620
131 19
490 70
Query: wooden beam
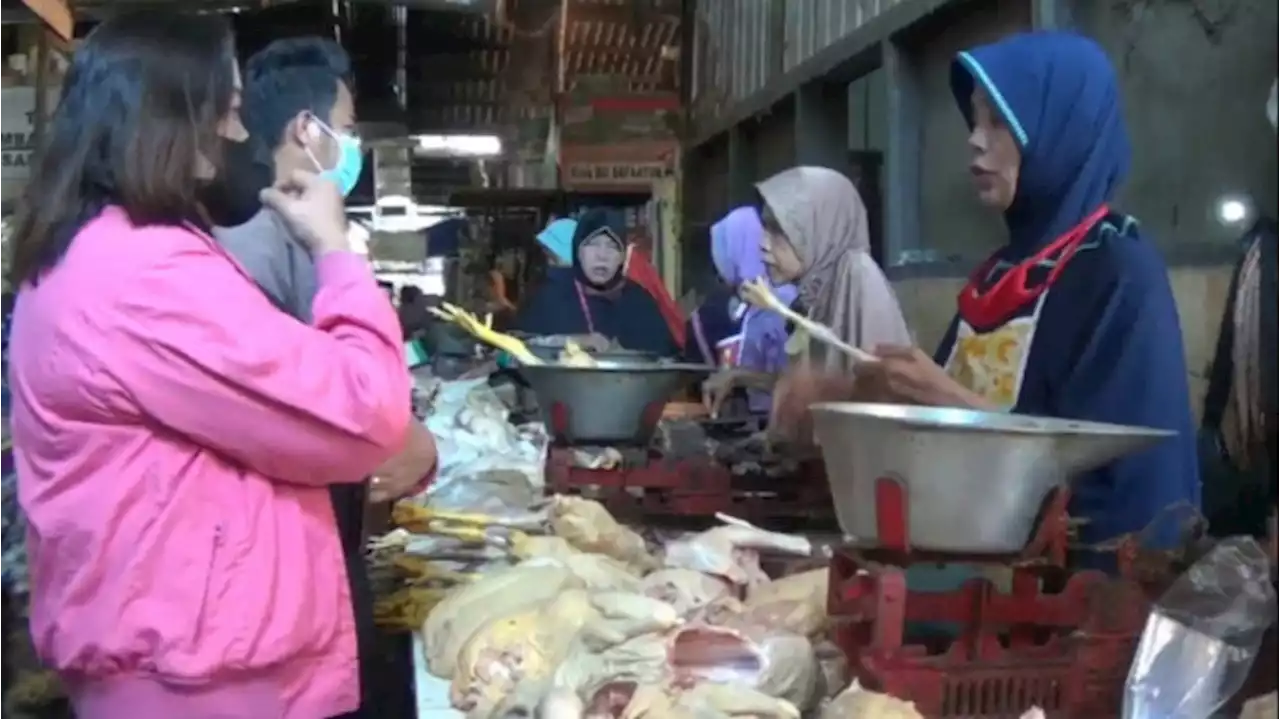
55 14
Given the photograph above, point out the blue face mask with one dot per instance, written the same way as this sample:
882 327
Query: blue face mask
346 173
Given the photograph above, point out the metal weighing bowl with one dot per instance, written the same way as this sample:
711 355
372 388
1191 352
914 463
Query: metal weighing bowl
547 353
613 403
974 481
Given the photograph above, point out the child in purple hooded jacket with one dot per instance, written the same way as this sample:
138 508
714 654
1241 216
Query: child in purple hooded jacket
757 338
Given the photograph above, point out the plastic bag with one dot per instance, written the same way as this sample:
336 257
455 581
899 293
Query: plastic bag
475 440
1202 636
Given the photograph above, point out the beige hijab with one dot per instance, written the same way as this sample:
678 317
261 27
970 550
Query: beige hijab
824 218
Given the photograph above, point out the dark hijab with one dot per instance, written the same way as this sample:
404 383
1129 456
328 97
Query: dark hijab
593 225
569 303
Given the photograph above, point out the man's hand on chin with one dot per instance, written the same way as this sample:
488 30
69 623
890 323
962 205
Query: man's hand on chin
408 473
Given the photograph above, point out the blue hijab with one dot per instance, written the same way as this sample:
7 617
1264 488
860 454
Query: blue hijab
1057 93
568 303
1108 345
557 238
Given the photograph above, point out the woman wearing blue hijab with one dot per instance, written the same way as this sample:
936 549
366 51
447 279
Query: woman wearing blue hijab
1074 316
596 298
557 240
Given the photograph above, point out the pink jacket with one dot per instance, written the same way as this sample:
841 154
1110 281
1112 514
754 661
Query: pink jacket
174 435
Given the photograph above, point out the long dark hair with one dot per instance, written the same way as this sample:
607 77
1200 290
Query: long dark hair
141 103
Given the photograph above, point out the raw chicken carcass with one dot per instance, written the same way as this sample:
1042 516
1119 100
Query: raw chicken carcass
858 703
778 664
771 664
499 593
1263 707
561 704
588 526
706 700
732 551
524 649
685 589
597 571
602 676
796 604
833 668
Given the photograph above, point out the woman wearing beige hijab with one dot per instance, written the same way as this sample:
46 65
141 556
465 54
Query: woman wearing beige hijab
816 236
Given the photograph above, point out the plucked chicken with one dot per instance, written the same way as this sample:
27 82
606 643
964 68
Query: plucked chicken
685 589
796 604
501 593
526 647
773 664
732 551
706 700
1263 707
589 527
591 625
858 703
597 571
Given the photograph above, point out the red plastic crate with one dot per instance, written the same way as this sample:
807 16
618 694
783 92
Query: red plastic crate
1058 640
696 487
1067 652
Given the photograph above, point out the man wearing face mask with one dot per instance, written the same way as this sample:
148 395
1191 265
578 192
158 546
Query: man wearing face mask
298 107
300 113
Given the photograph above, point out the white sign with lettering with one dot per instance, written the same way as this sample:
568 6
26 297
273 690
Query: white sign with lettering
17 126
618 173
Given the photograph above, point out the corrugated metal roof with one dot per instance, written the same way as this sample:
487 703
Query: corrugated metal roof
740 46
471 72
616 37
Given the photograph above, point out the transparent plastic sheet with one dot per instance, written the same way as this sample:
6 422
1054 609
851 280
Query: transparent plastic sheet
487 465
483 506
1203 635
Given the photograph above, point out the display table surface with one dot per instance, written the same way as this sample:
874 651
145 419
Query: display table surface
431 693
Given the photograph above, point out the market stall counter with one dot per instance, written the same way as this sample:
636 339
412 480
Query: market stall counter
528 601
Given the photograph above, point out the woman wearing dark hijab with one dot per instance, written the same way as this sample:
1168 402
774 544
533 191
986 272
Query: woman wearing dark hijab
595 297
1074 316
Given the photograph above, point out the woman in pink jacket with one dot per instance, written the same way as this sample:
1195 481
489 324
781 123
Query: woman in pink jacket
175 433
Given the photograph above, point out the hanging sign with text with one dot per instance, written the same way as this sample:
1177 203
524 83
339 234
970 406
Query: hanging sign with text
18 131
621 167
